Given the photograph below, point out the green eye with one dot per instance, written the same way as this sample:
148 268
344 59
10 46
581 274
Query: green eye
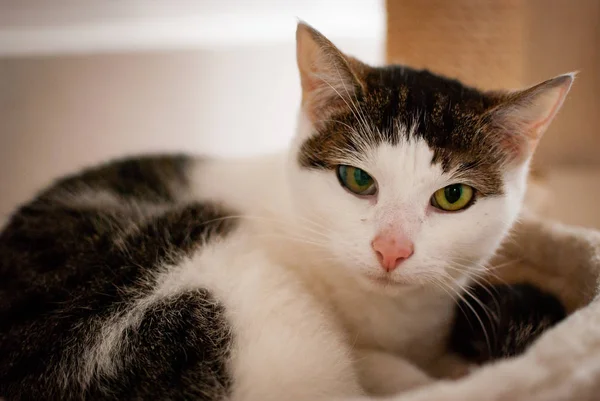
356 180
453 197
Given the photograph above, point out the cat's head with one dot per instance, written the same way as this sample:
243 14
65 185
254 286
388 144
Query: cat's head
407 176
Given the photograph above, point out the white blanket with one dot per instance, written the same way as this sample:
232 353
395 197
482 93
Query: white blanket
564 364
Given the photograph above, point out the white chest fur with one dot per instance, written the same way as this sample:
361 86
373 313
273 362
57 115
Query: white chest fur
413 323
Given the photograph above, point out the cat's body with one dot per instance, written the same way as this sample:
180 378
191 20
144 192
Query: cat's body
271 278
149 247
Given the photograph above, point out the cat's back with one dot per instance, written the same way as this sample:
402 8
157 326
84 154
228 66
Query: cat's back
132 281
65 234
82 267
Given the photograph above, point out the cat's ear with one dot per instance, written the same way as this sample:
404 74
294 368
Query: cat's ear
328 77
522 117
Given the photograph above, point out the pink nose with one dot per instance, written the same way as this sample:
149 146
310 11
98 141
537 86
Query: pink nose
392 249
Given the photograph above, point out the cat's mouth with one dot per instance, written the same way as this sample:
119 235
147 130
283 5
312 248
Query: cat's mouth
386 281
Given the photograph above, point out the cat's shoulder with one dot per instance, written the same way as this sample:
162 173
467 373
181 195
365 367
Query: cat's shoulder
150 177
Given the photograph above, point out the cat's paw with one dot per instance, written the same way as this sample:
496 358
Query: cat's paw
452 366
383 374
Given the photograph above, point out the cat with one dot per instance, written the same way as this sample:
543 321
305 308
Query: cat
328 272
503 322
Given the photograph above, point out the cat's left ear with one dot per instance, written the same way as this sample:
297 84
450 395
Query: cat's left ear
329 78
522 117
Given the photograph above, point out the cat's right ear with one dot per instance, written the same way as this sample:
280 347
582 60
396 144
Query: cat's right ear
522 117
328 78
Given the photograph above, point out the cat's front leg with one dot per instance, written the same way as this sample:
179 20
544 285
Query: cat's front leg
383 374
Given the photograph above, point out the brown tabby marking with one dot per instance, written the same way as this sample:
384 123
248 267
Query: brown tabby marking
399 103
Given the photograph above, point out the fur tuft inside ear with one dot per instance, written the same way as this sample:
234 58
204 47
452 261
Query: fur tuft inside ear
522 117
326 74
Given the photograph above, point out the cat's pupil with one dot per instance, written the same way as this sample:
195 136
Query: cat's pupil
453 193
361 178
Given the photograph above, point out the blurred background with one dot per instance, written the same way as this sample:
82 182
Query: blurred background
86 80
82 81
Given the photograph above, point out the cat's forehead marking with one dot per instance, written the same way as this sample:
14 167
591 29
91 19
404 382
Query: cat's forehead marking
399 104
406 165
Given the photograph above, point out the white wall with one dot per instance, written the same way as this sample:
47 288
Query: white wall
82 98
58 26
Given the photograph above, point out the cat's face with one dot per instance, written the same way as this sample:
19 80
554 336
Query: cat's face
409 177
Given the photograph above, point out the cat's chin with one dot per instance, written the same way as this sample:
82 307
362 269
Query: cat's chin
385 284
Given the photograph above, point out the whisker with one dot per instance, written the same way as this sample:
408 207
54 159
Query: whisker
468 304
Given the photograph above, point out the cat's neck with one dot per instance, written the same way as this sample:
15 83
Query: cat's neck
257 188
253 186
